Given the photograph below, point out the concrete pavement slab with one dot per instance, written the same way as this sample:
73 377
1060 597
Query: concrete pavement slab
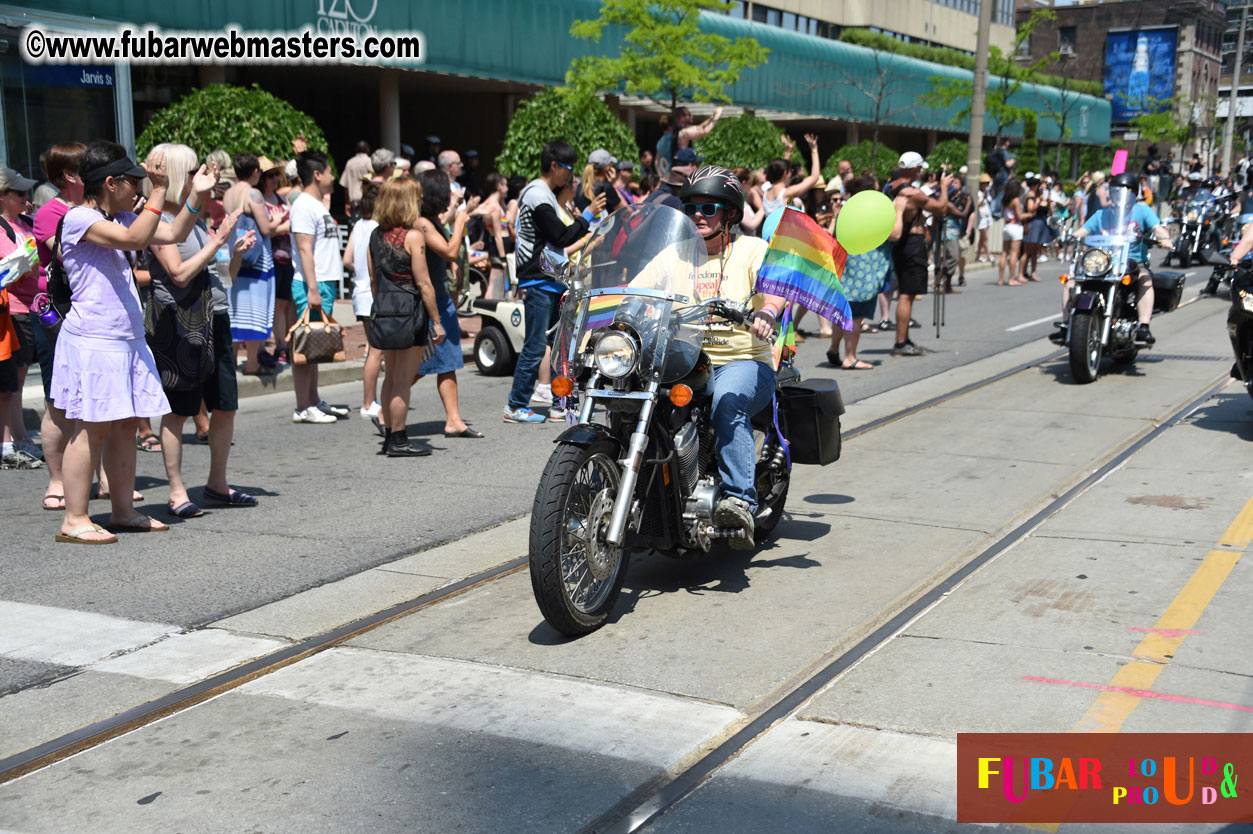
187 658
39 713
69 637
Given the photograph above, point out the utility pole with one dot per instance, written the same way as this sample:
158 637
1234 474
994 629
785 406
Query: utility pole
978 104
1235 92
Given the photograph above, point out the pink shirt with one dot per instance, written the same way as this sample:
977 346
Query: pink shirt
46 220
22 294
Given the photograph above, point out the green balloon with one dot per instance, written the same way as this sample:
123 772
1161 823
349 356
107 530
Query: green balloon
865 221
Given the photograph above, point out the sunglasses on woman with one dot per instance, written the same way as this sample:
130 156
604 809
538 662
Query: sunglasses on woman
707 209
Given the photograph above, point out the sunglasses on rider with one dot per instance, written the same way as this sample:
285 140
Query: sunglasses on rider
707 209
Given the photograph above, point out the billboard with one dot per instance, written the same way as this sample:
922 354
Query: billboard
1140 71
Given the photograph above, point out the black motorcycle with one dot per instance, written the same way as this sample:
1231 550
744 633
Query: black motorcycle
637 469
1199 226
1103 319
1239 315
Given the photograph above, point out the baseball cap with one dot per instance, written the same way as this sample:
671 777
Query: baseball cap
471 154
601 158
432 140
687 156
912 159
11 180
626 165
1030 175
963 170
407 150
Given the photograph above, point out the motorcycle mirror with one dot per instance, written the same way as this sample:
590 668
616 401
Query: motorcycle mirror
1214 258
553 270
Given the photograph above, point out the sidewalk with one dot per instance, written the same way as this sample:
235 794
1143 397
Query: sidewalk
251 386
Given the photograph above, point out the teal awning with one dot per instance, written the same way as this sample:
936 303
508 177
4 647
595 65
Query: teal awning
528 41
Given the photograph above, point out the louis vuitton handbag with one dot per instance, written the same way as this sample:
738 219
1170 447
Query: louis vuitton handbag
312 342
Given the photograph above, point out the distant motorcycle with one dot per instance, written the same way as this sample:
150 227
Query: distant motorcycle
1239 316
1196 230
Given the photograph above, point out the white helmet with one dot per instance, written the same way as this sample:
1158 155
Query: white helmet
1195 176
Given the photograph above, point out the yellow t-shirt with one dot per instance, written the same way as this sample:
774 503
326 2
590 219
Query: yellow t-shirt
734 278
731 276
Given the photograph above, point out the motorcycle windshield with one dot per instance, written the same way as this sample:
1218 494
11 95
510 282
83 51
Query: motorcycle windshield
637 274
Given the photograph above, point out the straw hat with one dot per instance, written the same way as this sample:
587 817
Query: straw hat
985 177
267 166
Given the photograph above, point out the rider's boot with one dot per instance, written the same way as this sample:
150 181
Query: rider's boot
735 512
1143 334
1058 336
1211 287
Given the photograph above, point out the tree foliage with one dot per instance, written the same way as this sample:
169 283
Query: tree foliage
746 141
665 55
236 119
953 58
945 91
862 157
950 152
1029 153
583 120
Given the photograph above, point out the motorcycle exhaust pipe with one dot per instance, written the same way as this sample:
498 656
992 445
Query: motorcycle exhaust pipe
631 465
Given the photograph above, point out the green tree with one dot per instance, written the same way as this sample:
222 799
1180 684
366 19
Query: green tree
583 120
950 152
236 119
746 141
863 156
664 55
1029 153
945 92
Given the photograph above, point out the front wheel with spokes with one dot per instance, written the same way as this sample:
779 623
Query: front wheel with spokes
576 575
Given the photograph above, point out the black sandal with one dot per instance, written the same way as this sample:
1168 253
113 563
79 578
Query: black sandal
148 443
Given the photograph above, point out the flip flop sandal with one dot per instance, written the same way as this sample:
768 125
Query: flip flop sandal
234 499
138 524
859 365
466 432
60 499
74 536
148 443
186 510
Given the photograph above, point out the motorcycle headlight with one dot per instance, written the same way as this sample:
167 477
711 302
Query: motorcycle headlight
615 355
1095 262
1192 216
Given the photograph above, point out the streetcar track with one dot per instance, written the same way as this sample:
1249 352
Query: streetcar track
649 801
178 700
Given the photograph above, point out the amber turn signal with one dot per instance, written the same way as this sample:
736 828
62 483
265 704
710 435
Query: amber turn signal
1126 280
1063 278
680 395
562 386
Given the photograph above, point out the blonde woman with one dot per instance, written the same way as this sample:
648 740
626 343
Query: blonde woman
397 254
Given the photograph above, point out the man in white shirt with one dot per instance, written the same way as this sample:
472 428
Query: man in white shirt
319 269
450 163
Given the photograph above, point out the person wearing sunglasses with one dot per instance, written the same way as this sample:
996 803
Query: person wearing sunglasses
539 225
743 378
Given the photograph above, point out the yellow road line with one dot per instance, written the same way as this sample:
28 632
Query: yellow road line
1240 533
1111 709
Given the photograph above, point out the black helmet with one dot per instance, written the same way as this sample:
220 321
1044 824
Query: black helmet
716 183
1126 181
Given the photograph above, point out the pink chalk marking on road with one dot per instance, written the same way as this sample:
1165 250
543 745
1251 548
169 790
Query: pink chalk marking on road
1166 632
1142 693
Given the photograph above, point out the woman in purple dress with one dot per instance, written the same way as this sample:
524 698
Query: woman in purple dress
104 376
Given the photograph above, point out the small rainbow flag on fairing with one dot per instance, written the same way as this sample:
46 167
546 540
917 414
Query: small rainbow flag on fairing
804 264
601 311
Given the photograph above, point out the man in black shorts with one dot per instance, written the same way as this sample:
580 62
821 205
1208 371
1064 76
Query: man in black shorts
909 250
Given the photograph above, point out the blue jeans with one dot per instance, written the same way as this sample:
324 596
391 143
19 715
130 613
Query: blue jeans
997 191
740 389
541 309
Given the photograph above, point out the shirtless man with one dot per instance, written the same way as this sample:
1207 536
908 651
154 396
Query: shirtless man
909 236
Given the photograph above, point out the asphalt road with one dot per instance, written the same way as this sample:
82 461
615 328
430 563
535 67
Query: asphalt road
332 507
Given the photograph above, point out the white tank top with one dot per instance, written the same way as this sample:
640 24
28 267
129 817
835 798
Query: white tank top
768 205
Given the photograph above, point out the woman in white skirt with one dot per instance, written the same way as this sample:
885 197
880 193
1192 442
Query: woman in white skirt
104 376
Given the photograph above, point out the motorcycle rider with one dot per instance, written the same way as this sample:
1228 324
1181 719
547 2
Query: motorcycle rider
1195 189
743 378
1138 218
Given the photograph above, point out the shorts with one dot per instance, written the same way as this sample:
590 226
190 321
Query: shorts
964 245
950 252
909 257
282 281
220 392
45 344
864 309
326 289
1012 231
22 357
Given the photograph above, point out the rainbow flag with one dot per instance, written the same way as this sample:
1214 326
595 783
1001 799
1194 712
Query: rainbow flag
785 346
804 264
600 311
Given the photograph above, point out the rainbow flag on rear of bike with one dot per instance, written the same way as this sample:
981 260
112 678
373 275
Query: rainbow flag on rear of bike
804 264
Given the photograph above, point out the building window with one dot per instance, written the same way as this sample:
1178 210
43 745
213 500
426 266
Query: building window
788 21
1024 48
1066 40
737 9
759 13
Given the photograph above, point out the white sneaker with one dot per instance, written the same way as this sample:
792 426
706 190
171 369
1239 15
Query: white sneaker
312 415
543 394
556 415
372 411
1043 258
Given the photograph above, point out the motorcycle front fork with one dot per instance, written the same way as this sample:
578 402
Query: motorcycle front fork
631 463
